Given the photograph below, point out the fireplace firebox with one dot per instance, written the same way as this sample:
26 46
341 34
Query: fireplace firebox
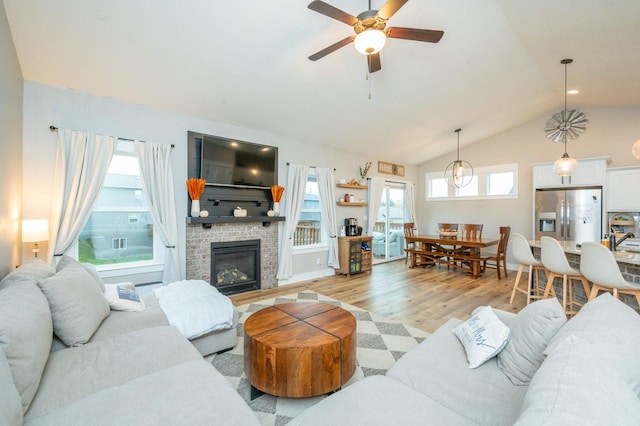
235 266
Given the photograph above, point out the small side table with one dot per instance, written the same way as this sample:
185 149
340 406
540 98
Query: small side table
299 350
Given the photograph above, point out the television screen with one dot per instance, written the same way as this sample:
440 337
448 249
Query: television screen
232 162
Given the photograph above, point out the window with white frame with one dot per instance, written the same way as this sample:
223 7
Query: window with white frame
309 233
499 181
120 231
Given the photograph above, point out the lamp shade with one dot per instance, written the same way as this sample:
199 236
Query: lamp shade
34 231
565 166
635 149
370 41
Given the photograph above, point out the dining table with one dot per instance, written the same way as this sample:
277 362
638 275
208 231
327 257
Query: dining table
456 251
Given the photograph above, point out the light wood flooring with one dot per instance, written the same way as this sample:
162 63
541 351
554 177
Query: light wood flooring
424 298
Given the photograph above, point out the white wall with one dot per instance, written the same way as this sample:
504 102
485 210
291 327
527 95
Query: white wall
611 131
11 144
46 105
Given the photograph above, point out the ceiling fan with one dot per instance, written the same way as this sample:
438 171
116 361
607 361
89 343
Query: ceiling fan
371 30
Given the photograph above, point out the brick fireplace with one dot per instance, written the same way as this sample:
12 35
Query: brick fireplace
199 239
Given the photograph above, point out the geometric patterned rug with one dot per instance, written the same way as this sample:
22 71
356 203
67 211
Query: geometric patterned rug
380 342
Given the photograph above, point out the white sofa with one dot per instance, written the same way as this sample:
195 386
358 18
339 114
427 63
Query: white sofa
585 371
123 368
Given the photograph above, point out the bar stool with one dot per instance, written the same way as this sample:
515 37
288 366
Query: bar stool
521 252
599 266
556 263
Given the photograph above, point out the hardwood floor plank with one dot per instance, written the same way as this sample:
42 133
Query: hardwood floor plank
425 298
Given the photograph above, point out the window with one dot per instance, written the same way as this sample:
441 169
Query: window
500 181
120 228
309 229
437 188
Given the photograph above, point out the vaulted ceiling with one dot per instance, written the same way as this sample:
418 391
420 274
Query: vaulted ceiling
245 62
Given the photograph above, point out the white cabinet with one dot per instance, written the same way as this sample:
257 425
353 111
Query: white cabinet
589 172
623 189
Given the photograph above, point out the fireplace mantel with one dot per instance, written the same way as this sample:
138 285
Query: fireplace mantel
207 221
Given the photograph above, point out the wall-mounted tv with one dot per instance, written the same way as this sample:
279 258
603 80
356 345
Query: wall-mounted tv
231 162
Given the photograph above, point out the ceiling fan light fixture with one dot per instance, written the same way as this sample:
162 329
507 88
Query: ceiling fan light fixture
370 41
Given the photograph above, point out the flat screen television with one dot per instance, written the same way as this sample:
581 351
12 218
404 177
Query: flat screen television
231 162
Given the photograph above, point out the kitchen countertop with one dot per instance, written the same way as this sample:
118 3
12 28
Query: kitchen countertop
570 247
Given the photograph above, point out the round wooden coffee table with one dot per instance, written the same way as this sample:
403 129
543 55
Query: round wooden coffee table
299 350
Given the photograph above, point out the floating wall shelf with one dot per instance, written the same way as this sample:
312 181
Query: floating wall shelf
208 221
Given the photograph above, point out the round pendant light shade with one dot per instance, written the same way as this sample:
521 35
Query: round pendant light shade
565 166
635 149
370 41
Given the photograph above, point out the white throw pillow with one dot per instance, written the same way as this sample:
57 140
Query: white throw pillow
123 297
483 336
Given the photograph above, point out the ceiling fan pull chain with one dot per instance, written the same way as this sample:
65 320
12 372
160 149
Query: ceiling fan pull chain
368 77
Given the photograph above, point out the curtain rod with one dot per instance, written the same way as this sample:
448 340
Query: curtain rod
55 129
313 167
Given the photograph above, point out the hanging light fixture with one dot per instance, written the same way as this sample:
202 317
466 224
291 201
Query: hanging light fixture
635 149
565 126
459 172
370 41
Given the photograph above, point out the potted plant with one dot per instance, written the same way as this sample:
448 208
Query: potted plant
363 173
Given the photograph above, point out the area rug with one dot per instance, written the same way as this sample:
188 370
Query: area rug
380 342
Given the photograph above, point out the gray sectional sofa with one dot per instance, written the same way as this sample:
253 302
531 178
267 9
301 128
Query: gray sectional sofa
107 367
585 371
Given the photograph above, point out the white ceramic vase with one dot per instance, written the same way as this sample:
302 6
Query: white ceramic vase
276 208
195 208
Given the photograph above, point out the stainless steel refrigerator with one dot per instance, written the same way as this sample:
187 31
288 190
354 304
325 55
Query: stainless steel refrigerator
569 214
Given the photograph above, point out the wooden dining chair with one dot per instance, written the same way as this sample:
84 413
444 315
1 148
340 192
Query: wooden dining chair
469 231
446 229
409 231
501 254
472 230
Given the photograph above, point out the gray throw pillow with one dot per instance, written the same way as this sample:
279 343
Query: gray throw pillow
579 384
613 327
531 330
68 260
34 269
77 304
25 335
10 403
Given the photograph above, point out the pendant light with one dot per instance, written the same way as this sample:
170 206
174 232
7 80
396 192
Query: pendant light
635 149
564 126
459 172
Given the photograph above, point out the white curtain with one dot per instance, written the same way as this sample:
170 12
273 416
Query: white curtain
294 196
410 204
327 192
376 188
157 184
82 162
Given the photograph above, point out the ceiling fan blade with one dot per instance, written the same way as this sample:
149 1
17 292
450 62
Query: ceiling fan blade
335 46
374 62
332 12
431 36
390 8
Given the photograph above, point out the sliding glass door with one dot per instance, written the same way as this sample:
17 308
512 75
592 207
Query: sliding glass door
388 230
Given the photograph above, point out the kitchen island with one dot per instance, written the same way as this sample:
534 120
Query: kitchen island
628 262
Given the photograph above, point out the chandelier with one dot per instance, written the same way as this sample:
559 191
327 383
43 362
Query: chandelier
459 172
